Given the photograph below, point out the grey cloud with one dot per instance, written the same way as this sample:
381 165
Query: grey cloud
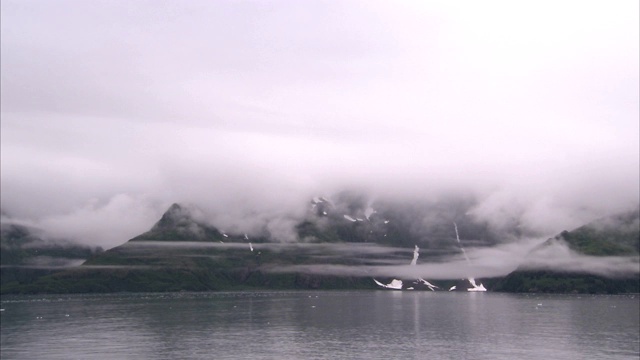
486 263
347 250
384 261
108 225
248 109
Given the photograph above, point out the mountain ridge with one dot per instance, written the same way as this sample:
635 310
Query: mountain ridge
180 252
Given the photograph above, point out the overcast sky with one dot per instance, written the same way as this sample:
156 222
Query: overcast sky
112 110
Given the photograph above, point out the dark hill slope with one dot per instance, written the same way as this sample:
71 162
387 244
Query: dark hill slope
617 235
183 252
179 224
180 253
25 255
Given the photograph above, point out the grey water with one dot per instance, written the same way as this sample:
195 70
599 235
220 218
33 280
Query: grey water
320 325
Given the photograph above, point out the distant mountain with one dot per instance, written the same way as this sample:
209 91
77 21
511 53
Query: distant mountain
25 255
617 235
430 225
183 252
179 224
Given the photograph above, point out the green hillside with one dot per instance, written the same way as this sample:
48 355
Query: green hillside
617 235
146 266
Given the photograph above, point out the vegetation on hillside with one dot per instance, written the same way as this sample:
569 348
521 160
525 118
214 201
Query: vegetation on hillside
182 253
617 235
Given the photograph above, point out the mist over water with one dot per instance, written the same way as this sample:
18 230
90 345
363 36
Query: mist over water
473 130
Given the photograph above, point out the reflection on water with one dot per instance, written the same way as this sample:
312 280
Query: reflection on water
320 325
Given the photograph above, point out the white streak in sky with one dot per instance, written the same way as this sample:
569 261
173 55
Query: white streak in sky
394 284
350 218
475 286
428 284
368 212
472 281
416 253
414 261
455 226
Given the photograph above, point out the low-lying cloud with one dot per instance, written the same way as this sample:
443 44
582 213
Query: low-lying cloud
394 262
487 263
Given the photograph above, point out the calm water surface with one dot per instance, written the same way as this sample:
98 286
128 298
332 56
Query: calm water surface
320 325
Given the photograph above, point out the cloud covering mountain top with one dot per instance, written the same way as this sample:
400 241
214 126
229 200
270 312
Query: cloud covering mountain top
113 110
